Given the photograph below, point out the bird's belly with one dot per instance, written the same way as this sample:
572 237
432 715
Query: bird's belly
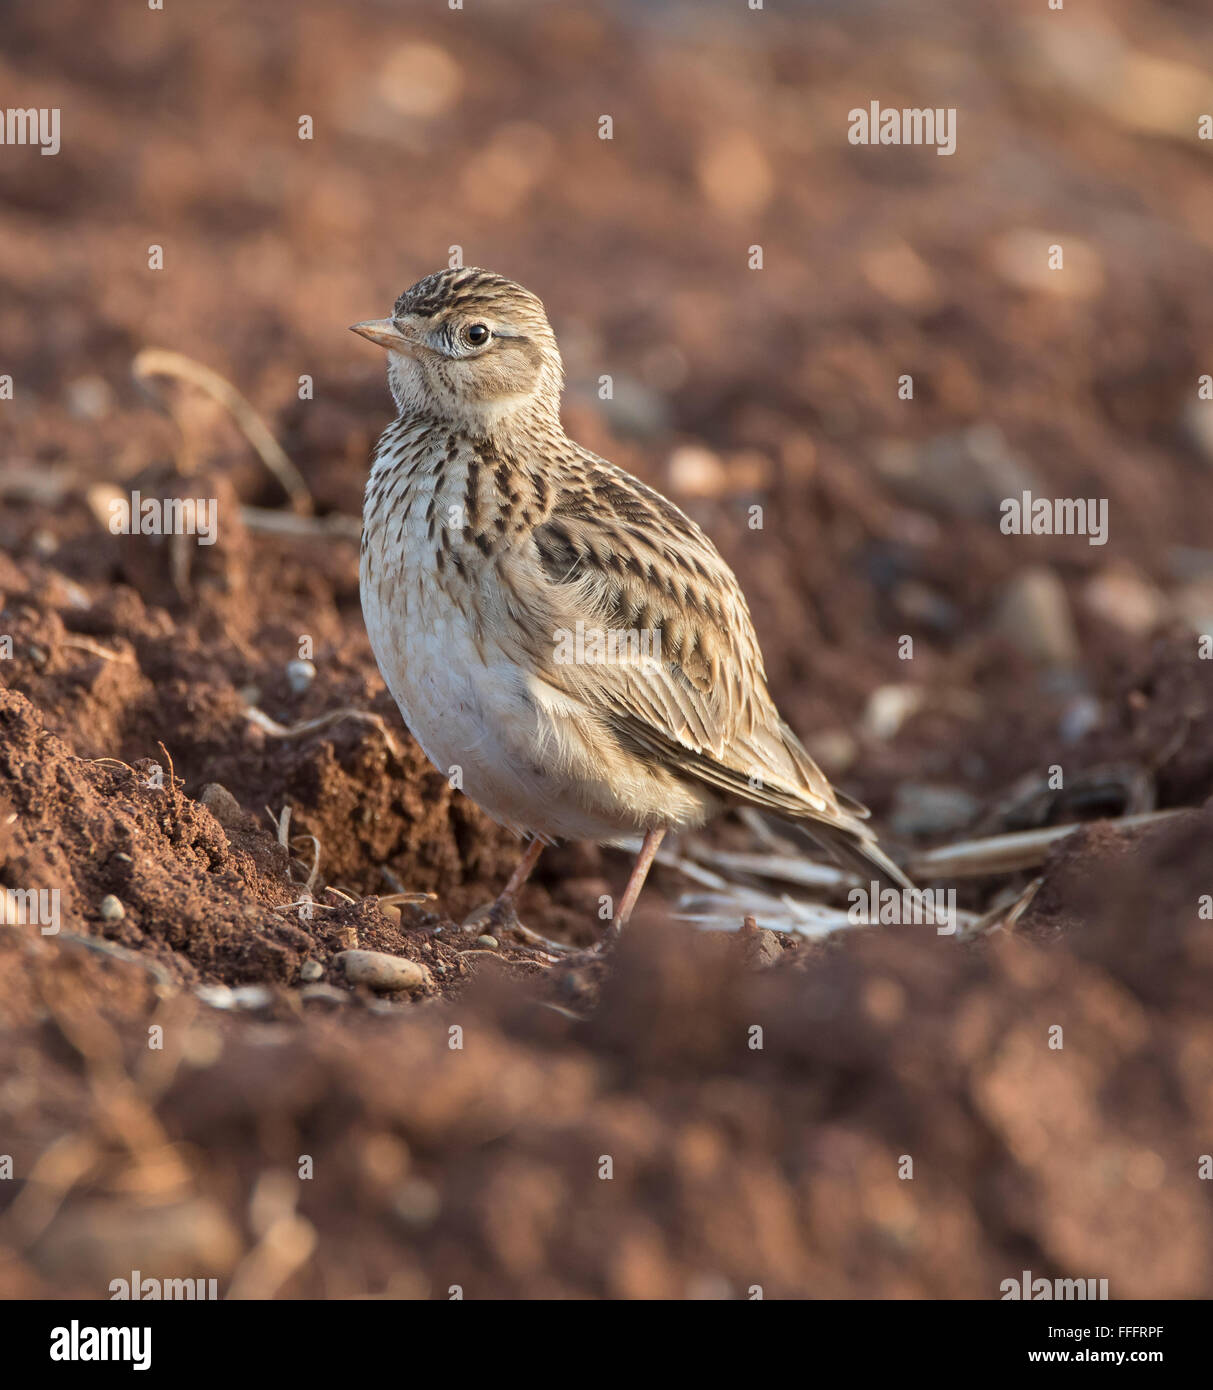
467 704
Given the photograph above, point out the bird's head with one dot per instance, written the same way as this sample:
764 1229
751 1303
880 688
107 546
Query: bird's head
470 347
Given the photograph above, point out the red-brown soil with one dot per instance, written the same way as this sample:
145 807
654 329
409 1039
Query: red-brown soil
135 661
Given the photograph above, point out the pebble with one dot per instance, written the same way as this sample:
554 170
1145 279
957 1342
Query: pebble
243 997
957 475
89 398
833 749
299 675
900 274
112 909
888 708
919 809
418 80
1126 599
1081 714
1020 257
99 498
324 994
697 472
734 174
379 971
221 804
1034 614
488 942
1101 67
311 970
417 1202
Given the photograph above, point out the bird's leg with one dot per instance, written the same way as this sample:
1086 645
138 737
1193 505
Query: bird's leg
506 898
501 912
640 871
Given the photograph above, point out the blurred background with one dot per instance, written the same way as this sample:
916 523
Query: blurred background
732 388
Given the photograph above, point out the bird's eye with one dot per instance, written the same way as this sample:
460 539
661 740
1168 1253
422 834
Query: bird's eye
477 335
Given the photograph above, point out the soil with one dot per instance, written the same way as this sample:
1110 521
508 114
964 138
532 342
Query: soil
915 1116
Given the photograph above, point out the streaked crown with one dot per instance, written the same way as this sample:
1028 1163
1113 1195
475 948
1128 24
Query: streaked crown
470 290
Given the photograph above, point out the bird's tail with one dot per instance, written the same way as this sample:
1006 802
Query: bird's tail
855 848
840 825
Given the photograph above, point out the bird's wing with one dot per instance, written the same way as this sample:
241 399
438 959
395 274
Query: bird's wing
618 558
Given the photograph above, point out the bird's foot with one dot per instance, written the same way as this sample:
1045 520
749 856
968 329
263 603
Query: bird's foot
500 916
497 916
599 952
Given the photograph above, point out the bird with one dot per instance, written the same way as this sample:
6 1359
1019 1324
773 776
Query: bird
563 642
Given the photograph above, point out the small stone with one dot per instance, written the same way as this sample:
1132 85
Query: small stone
112 909
242 997
323 994
417 80
89 398
734 174
1123 597
391 912
311 970
299 675
100 499
221 804
488 942
1082 714
417 1202
834 750
919 809
957 475
379 971
888 708
1022 257
900 274
1034 614
697 472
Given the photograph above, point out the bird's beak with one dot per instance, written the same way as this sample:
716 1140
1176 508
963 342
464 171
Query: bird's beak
385 333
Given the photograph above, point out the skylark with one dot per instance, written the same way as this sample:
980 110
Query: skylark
551 628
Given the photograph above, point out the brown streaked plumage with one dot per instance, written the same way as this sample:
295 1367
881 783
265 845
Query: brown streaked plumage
500 560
